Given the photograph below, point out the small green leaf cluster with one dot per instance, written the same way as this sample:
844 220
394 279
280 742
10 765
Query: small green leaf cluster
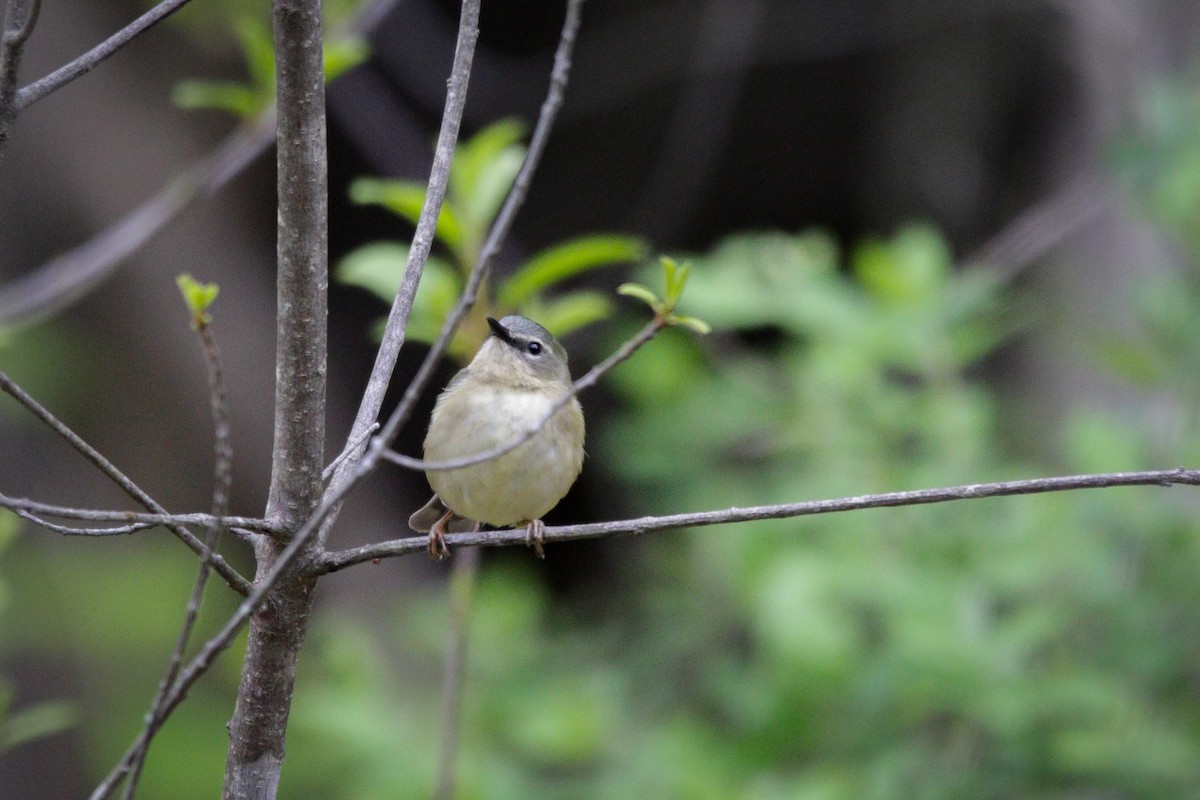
197 297
674 279
481 174
249 101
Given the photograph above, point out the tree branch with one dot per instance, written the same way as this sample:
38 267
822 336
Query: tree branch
222 486
418 253
264 699
335 561
273 570
68 277
252 524
70 531
500 228
464 574
302 280
92 58
162 517
16 26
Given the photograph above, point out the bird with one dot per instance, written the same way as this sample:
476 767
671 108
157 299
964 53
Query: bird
512 383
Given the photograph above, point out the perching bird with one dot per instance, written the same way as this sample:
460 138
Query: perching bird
514 380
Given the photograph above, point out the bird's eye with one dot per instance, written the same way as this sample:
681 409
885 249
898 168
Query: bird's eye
534 348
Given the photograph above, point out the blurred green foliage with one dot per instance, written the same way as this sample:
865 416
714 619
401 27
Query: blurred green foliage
1020 647
21 725
248 101
481 174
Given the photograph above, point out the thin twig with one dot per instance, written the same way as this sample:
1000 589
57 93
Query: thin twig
1042 226
335 561
69 277
136 517
500 228
69 531
418 253
350 448
231 576
16 25
222 486
587 381
463 577
89 60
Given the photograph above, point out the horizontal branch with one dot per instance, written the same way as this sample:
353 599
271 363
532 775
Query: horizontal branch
135 517
586 382
230 575
67 530
564 533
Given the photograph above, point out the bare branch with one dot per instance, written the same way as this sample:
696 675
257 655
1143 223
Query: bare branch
1036 230
303 244
463 577
350 448
599 530
228 573
92 58
68 277
222 486
500 228
18 504
418 253
16 26
587 381
69 531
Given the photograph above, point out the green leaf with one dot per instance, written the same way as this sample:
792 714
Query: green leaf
910 268
476 154
406 198
640 292
436 295
238 99
698 325
491 186
376 267
568 312
343 55
258 50
36 722
566 260
197 296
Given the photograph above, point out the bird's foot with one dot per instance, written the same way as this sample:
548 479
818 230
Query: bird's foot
437 537
535 533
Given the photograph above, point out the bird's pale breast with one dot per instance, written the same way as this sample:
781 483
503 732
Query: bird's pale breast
520 485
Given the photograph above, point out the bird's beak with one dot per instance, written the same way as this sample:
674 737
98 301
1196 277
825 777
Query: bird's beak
499 331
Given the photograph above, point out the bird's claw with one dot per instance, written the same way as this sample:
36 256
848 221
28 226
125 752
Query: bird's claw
437 547
535 537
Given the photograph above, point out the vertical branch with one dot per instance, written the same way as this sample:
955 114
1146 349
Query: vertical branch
418 253
277 627
463 577
16 24
222 486
302 280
